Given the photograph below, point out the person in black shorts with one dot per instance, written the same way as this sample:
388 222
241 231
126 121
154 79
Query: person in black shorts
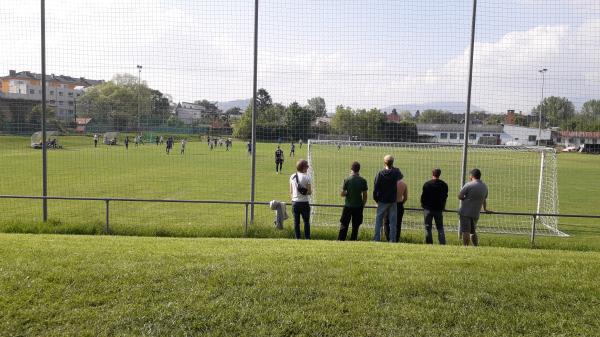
278 159
292 150
355 191
126 142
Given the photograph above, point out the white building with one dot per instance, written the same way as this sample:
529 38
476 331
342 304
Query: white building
504 134
454 133
520 135
189 112
61 91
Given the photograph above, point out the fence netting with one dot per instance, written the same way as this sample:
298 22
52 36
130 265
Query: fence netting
153 99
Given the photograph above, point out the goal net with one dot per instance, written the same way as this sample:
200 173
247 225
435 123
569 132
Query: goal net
520 180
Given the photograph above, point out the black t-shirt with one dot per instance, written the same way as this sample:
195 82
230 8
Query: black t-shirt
435 193
279 154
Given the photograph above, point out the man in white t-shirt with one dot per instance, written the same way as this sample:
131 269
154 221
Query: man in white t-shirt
300 190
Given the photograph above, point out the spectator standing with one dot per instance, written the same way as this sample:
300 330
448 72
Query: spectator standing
401 197
473 197
354 190
385 195
300 190
433 202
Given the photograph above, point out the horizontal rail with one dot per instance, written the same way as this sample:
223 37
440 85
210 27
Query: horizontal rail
224 202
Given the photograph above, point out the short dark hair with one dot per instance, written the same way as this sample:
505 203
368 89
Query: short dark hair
355 167
301 165
476 173
436 172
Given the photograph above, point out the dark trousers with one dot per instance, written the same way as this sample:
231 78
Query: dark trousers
438 216
386 222
278 166
350 213
301 208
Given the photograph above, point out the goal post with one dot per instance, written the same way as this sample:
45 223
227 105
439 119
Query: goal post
520 179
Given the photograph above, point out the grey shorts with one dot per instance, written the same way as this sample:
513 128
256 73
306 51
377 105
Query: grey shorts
468 224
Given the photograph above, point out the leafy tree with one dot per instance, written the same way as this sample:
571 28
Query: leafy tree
494 119
405 115
233 111
121 103
369 124
210 108
298 120
275 114
263 100
342 122
591 109
173 121
555 110
318 106
434 116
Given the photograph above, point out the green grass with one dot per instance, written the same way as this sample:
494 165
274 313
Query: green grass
109 286
147 172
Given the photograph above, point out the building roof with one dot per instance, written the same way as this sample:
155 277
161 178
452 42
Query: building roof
459 128
82 121
63 79
579 134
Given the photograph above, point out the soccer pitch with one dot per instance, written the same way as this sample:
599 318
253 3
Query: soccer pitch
147 171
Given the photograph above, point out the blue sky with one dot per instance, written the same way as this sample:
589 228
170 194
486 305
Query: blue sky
357 53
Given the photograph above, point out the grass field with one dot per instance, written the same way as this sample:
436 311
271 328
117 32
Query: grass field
147 172
123 286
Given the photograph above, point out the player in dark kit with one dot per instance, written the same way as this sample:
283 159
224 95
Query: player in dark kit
127 143
278 160
292 150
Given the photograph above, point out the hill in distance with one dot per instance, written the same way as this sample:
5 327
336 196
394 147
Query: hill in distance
455 107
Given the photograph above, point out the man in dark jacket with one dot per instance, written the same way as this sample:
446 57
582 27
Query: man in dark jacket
384 194
433 201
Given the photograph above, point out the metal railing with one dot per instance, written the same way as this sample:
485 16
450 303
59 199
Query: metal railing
247 204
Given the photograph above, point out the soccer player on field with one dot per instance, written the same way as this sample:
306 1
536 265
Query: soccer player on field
300 142
433 201
183 142
157 140
292 150
355 192
126 142
96 140
473 197
278 159
249 146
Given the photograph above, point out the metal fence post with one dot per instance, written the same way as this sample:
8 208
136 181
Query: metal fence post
246 222
533 224
106 224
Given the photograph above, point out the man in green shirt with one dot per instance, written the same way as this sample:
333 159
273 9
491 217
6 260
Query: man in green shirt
355 191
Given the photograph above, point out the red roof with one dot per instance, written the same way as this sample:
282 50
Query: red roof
579 134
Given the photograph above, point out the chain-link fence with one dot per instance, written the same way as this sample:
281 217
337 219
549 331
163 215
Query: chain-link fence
154 100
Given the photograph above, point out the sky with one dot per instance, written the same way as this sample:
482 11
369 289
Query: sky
356 53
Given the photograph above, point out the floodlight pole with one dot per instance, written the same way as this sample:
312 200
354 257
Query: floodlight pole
468 111
539 139
43 80
253 140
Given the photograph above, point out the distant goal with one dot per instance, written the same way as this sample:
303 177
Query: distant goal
520 179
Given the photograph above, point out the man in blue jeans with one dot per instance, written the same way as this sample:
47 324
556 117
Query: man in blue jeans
384 194
300 190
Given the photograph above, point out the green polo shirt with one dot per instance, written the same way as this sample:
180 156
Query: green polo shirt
354 185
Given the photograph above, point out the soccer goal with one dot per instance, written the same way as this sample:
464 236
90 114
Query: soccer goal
520 179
